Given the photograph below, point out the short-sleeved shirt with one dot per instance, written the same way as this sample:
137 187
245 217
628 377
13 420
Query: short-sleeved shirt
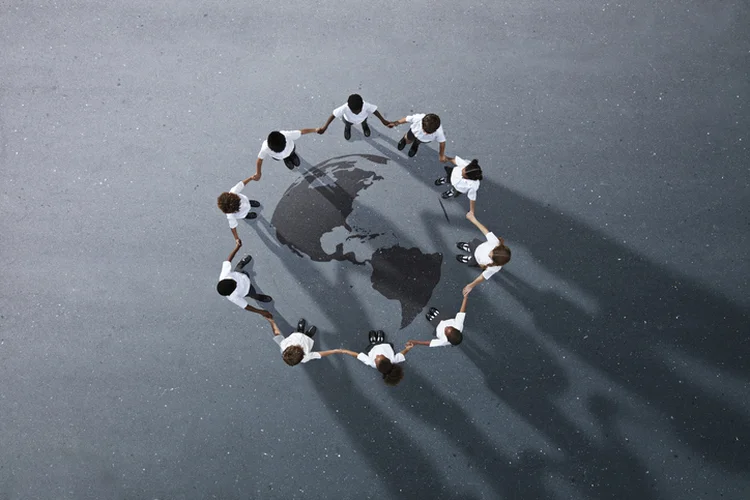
346 112
244 205
243 284
300 339
482 255
384 349
291 136
462 185
457 323
419 133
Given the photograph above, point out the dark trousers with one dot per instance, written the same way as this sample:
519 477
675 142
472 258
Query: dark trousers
369 347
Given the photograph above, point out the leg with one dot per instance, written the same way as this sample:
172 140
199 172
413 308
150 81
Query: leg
365 128
241 264
294 157
253 294
289 163
301 324
414 147
406 139
347 130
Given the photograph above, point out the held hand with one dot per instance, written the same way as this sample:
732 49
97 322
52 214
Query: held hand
274 326
391 124
471 216
322 130
267 315
443 158
410 344
467 289
237 243
255 177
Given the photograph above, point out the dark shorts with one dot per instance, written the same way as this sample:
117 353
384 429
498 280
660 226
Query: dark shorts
412 137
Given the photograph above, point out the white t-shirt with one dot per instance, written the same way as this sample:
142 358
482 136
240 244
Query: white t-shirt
419 133
482 255
243 284
462 185
384 349
367 110
300 339
291 136
244 205
457 323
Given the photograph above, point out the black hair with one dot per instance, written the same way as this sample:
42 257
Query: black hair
430 123
276 141
355 102
454 335
226 286
473 171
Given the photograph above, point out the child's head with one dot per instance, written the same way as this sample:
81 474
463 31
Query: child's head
394 376
355 103
500 255
228 203
473 171
453 335
226 286
430 123
293 355
276 141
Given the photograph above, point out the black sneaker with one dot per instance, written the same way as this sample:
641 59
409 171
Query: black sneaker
462 245
413 149
311 331
245 261
289 163
401 144
451 193
372 335
381 336
295 159
263 298
432 313
251 215
254 203
463 259
441 181
347 131
301 324
365 128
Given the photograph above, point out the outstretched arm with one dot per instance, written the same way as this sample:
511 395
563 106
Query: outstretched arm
308 131
258 164
463 304
323 354
382 119
236 249
236 236
443 158
467 289
409 347
472 206
322 130
274 327
419 342
449 159
251 178
262 312
347 351
397 122
474 221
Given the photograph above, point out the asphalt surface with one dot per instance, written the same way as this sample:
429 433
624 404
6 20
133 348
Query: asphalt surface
608 359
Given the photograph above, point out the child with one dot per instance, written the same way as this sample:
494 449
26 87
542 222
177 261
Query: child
379 355
424 128
491 255
237 206
237 285
297 347
354 111
280 146
463 178
448 331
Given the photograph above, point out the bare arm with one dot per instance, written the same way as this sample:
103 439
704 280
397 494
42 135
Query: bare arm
347 351
258 164
382 119
409 347
467 289
251 178
419 342
308 131
397 122
236 249
236 236
323 354
472 206
479 225
322 130
449 159
274 327
463 303
442 152
262 312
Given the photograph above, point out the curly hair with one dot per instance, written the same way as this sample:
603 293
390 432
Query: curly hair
383 365
500 255
276 141
228 203
394 376
454 335
430 123
293 355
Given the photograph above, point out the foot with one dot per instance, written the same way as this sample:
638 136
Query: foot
311 331
401 144
441 181
463 259
251 215
295 159
432 313
254 203
245 261
462 245
381 336
347 132
365 129
263 298
372 335
451 193
301 324
289 164
413 149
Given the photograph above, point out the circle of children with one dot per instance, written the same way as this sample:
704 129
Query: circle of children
461 178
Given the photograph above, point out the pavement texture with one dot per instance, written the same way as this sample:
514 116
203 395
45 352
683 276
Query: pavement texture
608 359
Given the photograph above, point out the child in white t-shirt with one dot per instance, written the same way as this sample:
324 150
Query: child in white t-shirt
463 178
491 255
424 128
353 112
237 206
381 356
280 146
448 331
297 347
